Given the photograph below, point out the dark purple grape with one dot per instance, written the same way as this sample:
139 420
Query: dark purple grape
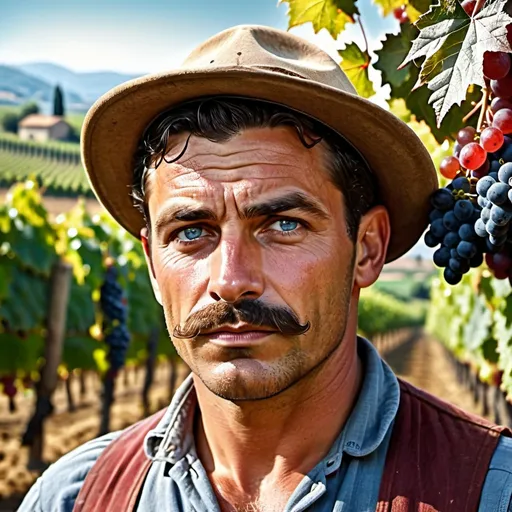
466 250
442 199
459 265
494 229
498 193
467 232
480 228
451 240
483 185
438 229
463 210
451 277
431 240
441 257
461 183
505 173
476 260
499 216
451 222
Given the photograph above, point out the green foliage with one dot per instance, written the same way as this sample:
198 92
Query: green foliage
10 122
29 109
439 74
452 45
355 63
380 313
54 165
332 15
58 101
474 320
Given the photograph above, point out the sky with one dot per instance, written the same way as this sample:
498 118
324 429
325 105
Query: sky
145 36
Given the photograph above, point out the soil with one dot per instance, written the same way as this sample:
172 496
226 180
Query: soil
418 359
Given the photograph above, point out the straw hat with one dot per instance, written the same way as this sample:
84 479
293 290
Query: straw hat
268 64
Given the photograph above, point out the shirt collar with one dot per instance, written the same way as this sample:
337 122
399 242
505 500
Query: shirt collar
366 427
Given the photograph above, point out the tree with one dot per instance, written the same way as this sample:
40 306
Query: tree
58 102
29 109
10 122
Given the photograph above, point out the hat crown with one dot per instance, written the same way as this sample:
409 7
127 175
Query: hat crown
272 50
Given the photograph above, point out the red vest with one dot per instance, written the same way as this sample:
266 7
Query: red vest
437 461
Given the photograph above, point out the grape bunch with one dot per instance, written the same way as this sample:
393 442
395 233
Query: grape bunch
452 223
113 305
472 215
494 194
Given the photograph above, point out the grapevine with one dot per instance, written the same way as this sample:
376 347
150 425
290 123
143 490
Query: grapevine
471 216
113 306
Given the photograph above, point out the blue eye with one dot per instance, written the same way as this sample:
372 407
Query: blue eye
285 225
190 234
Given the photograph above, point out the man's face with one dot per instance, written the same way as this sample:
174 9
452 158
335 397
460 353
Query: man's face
254 218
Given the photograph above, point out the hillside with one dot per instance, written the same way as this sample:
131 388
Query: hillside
89 86
26 87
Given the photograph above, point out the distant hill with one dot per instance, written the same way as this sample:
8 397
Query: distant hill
23 87
89 86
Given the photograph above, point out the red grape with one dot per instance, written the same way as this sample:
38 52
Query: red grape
503 120
482 171
472 156
469 6
496 65
404 18
491 139
502 87
501 262
449 167
499 103
398 12
466 135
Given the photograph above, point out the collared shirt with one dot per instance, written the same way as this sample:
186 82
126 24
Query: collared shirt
347 479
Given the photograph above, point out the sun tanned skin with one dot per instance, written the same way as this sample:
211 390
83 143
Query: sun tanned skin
271 407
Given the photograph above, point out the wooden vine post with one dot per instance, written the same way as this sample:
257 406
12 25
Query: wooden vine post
60 282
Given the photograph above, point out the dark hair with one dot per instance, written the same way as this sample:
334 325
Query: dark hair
220 118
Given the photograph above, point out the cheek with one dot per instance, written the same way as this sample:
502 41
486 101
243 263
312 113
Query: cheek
306 272
182 282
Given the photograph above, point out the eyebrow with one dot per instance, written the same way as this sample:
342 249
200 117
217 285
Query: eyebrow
287 202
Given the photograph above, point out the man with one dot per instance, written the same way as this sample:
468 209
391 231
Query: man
267 195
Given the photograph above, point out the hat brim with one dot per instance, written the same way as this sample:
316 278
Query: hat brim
115 123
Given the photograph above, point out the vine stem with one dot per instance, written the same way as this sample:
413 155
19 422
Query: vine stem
485 102
479 4
473 111
363 32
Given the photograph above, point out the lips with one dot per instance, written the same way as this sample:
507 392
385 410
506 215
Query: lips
238 336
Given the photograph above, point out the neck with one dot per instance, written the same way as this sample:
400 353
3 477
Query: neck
284 435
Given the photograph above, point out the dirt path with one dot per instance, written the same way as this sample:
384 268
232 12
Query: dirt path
423 362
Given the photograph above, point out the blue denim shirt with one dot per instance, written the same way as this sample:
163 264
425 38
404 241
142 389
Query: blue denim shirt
347 479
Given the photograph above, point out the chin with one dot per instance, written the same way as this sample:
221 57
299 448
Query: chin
249 379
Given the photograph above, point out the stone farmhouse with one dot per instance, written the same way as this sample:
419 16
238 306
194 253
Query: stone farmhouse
41 128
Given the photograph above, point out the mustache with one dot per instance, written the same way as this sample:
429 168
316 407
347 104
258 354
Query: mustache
252 312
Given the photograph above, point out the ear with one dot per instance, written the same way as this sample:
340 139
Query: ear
372 245
149 260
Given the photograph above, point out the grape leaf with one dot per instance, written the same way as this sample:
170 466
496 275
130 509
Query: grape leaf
394 49
330 14
388 6
355 63
453 45
401 81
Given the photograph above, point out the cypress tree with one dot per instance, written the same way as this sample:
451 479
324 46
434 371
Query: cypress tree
58 102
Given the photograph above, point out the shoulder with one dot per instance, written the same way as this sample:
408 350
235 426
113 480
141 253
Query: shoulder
434 409
58 487
497 491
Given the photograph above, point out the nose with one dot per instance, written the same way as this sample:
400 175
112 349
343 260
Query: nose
236 271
